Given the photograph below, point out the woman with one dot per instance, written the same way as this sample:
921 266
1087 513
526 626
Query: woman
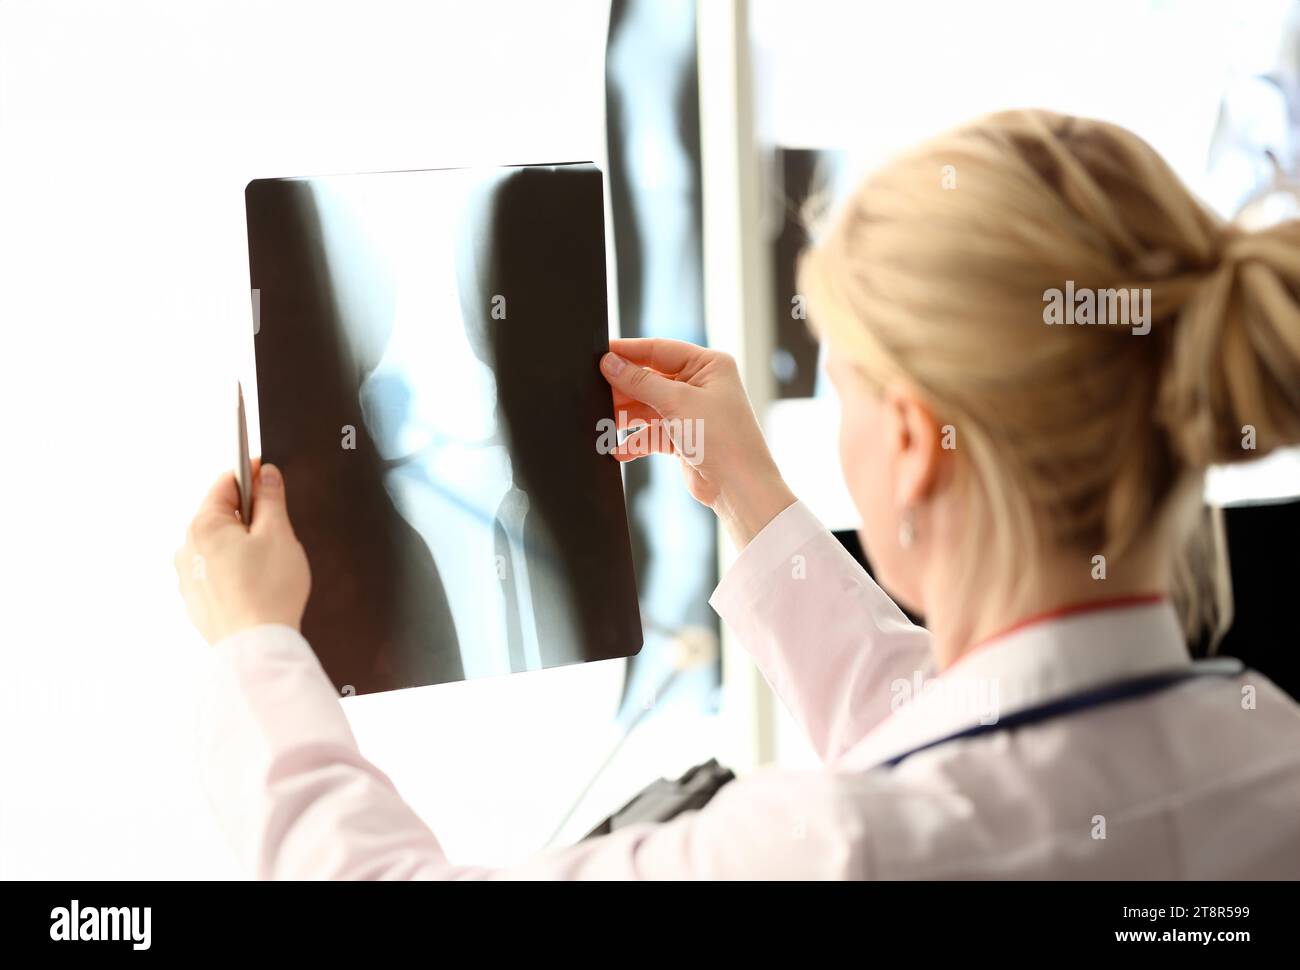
1025 487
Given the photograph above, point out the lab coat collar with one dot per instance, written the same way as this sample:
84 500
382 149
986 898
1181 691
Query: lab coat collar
1035 663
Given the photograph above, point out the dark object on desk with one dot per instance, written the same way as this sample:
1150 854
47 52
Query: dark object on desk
1264 554
665 799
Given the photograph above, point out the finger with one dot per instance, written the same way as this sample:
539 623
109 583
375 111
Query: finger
640 383
669 357
648 440
623 401
270 504
634 413
634 446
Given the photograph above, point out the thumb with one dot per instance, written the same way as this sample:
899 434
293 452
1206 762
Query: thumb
270 510
640 383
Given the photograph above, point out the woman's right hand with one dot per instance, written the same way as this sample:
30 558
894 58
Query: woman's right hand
690 402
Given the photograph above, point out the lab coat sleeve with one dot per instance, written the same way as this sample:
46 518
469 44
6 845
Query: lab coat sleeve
299 801
283 772
829 641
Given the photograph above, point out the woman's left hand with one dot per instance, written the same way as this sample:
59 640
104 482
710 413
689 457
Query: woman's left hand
233 576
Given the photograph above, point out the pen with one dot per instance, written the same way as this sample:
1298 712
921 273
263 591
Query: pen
243 466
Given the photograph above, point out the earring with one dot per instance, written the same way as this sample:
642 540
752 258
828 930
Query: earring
907 528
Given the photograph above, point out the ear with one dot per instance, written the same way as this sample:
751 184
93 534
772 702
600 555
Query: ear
914 437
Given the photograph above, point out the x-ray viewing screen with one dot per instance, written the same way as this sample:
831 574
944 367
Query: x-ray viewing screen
427 376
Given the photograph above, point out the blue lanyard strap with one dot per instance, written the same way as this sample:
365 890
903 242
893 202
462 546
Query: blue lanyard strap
1120 690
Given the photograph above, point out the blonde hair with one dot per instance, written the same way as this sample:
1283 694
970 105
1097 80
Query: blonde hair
1074 437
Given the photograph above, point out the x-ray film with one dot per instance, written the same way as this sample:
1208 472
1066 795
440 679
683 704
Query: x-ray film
427 374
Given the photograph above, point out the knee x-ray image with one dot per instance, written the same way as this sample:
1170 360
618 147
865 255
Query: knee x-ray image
427 352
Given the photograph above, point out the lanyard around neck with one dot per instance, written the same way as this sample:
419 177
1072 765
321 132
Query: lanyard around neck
1119 690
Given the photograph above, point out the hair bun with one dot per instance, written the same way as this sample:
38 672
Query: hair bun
1231 386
